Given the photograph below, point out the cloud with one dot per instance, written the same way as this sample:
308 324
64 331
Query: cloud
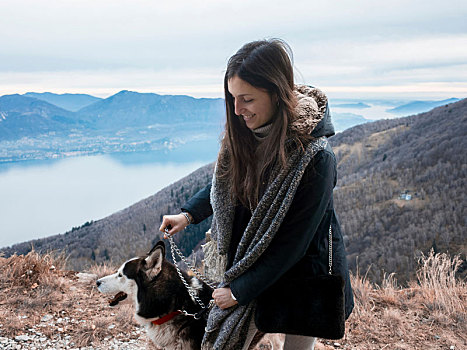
413 60
336 43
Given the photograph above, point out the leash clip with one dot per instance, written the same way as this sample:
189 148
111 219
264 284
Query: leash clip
200 314
186 313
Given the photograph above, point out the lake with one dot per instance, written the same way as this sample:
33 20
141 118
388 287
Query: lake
42 198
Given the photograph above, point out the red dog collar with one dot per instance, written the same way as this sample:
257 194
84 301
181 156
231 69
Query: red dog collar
166 318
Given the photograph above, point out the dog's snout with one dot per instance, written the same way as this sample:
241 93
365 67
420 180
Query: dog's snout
98 283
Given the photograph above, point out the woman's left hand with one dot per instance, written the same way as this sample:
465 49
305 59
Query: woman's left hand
223 298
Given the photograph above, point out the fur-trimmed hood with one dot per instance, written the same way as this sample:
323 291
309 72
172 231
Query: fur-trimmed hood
312 113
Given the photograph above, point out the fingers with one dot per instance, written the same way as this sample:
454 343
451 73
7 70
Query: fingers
225 304
223 298
174 224
166 224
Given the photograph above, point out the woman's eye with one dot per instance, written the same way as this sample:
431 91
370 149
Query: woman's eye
246 101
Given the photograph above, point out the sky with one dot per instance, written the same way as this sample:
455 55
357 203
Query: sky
348 48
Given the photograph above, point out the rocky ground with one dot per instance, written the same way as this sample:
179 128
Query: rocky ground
62 310
44 307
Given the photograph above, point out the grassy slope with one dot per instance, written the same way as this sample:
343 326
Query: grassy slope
430 314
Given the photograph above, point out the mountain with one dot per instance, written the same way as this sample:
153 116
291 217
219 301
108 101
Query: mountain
344 121
25 115
22 116
132 109
401 189
71 102
356 105
125 122
400 192
419 106
349 102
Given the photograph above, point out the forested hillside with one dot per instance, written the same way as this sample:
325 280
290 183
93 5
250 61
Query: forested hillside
400 192
401 189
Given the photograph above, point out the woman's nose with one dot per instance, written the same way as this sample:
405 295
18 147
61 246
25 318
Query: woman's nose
238 108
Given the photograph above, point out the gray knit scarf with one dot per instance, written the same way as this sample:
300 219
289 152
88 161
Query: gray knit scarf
227 329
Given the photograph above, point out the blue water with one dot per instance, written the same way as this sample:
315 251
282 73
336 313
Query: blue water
42 198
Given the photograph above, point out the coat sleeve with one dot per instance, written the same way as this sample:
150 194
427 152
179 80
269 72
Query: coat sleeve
199 206
293 238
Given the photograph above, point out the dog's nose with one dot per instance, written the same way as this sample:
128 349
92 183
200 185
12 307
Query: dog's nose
98 283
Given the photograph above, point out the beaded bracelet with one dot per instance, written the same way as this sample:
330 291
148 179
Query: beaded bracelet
187 217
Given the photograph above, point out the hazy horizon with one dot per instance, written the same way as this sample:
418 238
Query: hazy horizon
367 97
349 49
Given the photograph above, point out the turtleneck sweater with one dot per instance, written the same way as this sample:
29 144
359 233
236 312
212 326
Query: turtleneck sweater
262 132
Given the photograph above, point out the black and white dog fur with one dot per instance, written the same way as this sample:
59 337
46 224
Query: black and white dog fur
155 288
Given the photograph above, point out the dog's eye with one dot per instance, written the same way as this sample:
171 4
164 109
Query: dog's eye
120 275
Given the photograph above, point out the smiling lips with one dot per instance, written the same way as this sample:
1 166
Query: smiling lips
248 117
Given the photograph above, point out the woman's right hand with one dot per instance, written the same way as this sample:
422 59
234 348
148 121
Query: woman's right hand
175 223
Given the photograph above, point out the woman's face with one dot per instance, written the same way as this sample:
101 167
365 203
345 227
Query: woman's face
255 106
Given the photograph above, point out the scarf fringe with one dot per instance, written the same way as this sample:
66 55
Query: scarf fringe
226 328
214 263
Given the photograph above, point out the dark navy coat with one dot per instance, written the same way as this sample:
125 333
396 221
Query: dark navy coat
300 247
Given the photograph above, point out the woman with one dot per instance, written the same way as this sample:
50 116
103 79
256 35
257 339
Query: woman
271 194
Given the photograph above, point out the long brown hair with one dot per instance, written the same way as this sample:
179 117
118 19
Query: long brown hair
264 64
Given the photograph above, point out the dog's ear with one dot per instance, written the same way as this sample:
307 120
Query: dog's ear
153 261
160 245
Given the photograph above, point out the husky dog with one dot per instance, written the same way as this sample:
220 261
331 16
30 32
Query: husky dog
160 298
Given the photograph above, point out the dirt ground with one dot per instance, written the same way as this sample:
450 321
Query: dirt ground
39 300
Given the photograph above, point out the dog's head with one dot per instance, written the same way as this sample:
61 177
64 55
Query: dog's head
125 281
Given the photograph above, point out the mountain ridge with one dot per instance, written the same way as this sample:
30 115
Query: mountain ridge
379 164
27 116
71 102
131 113
403 177
121 111
131 109
420 106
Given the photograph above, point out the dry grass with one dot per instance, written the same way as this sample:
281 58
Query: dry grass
429 314
93 332
31 282
30 270
438 284
34 287
103 269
